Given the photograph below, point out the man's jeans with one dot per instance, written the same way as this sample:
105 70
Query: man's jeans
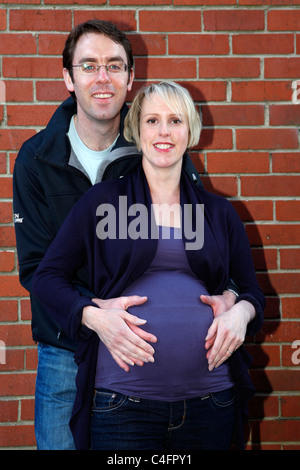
54 398
121 422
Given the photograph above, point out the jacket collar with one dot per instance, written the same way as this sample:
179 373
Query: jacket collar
55 147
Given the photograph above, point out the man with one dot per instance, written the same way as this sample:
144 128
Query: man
82 144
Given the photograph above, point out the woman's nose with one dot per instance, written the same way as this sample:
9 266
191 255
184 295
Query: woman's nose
164 129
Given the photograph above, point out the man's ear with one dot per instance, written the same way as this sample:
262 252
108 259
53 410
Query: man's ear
130 80
68 80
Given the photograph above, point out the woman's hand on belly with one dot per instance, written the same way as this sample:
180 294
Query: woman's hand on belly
120 331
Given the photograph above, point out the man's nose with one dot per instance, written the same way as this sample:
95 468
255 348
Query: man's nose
102 74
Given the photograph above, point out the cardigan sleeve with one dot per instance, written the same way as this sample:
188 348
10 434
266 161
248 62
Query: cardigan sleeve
242 269
52 282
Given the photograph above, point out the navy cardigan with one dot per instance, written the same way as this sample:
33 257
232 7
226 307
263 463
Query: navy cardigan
111 265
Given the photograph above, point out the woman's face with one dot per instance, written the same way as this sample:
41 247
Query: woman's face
163 134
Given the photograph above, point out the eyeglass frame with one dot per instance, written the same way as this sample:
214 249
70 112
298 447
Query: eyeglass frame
126 67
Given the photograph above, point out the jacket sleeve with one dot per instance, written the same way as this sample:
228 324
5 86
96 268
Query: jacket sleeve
242 270
33 227
33 220
52 281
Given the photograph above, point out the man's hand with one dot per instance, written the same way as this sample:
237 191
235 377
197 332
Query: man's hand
227 331
120 331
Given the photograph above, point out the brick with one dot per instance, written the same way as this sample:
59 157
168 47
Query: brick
6 187
288 162
237 162
17 384
262 91
263 44
275 430
19 435
290 406
148 44
275 380
32 67
8 411
7 261
290 307
17 334
233 20
2 171
279 283
235 115
51 43
264 259
212 139
288 210
254 210
261 406
283 20
29 115
222 185
12 139
283 67
18 90
10 287
2 20
286 115
198 161
165 68
14 360
7 237
264 355
202 44
272 309
206 90
8 310
290 258
271 185
139 2
25 309
31 359
43 20
267 139
279 332
229 67
27 409
18 44
123 19
271 234
51 91
186 21
5 212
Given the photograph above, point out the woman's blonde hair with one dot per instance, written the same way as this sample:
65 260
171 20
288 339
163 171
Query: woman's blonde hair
179 101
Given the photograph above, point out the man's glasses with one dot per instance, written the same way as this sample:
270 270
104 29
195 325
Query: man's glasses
90 68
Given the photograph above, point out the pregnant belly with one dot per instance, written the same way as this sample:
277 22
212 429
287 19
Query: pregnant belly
180 321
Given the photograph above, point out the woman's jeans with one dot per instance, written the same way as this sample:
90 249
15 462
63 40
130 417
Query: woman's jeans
121 422
54 398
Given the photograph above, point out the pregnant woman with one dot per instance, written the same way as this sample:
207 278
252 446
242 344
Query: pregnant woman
173 243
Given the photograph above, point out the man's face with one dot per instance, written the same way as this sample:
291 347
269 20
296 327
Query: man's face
100 96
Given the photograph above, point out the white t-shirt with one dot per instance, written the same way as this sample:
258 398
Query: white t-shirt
91 160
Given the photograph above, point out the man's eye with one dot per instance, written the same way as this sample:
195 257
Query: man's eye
88 67
114 67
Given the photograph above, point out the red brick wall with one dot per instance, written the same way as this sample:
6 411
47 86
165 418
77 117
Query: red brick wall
240 59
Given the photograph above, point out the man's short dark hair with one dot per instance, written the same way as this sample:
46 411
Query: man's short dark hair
94 26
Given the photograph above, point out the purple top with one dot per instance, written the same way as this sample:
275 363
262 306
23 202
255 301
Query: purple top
180 321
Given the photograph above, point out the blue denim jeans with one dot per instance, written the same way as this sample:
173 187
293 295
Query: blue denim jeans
54 398
121 422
